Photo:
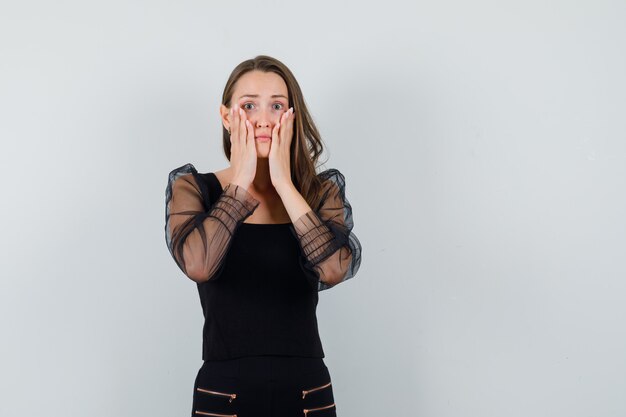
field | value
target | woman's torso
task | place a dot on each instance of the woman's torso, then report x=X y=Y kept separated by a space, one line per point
x=260 y=303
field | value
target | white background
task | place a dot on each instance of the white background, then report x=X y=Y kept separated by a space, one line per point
x=484 y=149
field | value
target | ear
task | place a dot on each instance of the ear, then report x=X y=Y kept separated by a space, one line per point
x=225 y=116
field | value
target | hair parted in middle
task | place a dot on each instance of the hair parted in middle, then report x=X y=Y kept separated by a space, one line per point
x=306 y=144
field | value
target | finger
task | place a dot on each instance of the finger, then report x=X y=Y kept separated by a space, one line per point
x=250 y=139
x=292 y=118
x=229 y=118
x=275 y=134
x=243 y=132
x=274 y=142
x=284 y=120
x=234 y=126
x=249 y=136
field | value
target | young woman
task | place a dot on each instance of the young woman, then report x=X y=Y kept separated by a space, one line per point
x=261 y=238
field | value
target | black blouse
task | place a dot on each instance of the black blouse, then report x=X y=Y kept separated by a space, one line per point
x=258 y=283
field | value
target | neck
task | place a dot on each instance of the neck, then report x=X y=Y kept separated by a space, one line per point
x=262 y=182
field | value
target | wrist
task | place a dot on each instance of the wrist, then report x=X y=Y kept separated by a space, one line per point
x=241 y=183
x=284 y=188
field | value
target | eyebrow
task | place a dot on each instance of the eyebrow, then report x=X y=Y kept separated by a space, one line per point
x=256 y=96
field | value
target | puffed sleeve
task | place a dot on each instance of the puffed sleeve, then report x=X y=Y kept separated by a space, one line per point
x=331 y=252
x=197 y=233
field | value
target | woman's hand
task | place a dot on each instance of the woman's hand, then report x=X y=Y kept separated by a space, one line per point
x=242 y=148
x=280 y=151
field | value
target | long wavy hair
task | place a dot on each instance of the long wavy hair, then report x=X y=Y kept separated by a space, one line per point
x=306 y=144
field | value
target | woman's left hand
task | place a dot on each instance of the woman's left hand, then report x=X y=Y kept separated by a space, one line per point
x=280 y=151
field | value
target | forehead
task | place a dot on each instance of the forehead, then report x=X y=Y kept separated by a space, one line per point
x=265 y=84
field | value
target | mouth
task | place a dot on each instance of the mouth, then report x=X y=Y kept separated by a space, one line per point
x=263 y=138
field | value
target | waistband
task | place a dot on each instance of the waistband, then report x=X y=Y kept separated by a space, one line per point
x=264 y=367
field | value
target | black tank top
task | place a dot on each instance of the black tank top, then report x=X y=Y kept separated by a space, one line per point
x=261 y=302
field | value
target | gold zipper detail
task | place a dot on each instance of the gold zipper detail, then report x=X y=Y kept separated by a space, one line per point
x=318 y=408
x=232 y=396
x=305 y=392
x=204 y=413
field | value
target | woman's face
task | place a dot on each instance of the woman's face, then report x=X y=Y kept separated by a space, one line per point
x=263 y=98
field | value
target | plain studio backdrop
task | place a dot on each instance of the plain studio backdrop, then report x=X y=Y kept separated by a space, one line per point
x=484 y=149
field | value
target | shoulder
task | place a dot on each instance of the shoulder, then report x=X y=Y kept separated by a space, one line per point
x=186 y=181
x=331 y=174
x=190 y=179
x=187 y=169
x=332 y=180
x=201 y=182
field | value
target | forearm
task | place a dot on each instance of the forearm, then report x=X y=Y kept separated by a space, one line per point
x=293 y=201
x=332 y=252
x=314 y=236
x=199 y=239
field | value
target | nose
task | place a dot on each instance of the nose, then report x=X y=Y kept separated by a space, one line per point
x=263 y=119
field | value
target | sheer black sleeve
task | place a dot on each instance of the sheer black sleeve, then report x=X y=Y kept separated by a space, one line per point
x=331 y=251
x=198 y=234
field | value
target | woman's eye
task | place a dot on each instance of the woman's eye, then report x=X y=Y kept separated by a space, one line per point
x=249 y=106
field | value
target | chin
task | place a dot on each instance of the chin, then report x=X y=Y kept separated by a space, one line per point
x=262 y=153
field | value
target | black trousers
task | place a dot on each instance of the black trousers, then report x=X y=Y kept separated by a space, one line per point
x=264 y=386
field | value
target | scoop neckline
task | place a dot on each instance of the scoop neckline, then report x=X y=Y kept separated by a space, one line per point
x=219 y=184
x=266 y=224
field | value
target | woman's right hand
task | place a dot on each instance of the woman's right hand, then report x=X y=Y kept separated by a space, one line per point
x=242 y=148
